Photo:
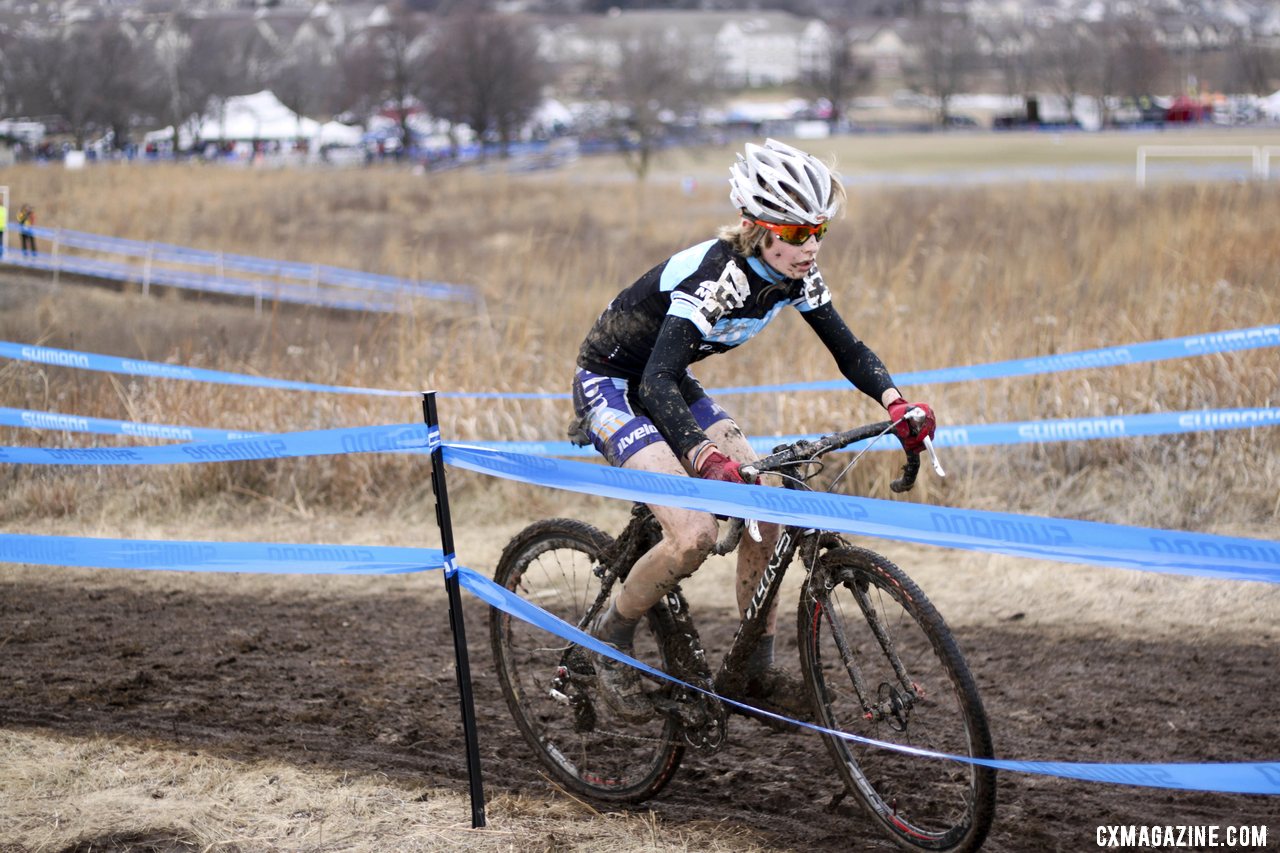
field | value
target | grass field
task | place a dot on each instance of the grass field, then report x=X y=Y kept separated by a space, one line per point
x=930 y=276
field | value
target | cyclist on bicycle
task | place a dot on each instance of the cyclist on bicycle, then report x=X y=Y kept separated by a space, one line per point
x=642 y=408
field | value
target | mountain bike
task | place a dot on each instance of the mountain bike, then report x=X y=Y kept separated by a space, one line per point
x=878 y=661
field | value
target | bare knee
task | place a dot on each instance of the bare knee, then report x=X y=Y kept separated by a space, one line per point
x=691 y=543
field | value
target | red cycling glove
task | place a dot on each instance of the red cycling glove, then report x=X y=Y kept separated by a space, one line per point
x=717 y=466
x=911 y=435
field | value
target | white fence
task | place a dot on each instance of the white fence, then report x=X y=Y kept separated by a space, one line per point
x=150 y=263
x=1259 y=156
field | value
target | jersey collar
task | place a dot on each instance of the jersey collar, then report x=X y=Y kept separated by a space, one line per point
x=765 y=271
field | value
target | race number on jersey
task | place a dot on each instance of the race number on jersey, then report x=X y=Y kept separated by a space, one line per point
x=716 y=298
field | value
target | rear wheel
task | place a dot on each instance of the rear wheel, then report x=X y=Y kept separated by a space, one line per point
x=884 y=666
x=549 y=683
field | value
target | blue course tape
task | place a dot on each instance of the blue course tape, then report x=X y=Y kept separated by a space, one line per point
x=973 y=435
x=374 y=438
x=1116 y=426
x=405 y=438
x=1066 y=540
x=134 y=367
x=1237 y=778
x=977 y=435
x=1239 y=339
x=247 y=557
x=1192 y=345
x=1231 y=341
x=222 y=261
x=282 y=558
x=1090 y=543
x=274 y=291
x=104 y=426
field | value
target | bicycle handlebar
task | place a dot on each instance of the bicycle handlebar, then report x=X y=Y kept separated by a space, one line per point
x=807 y=451
x=799 y=452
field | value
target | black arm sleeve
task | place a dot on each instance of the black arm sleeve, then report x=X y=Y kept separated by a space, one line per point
x=855 y=359
x=659 y=392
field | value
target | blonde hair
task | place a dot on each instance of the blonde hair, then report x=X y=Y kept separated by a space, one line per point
x=746 y=238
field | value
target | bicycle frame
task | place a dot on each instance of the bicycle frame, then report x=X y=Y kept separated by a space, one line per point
x=642 y=532
x=859 y=620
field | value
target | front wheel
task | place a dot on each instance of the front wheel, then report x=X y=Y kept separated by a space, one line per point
x=549 y=683
x=882 y=665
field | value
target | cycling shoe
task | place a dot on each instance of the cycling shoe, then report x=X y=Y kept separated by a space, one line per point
x=777 y=691
x=622 y=689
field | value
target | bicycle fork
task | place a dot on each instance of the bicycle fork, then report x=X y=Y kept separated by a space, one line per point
x=893 y=703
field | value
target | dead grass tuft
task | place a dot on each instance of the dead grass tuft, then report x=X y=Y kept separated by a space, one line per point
x=116 y=795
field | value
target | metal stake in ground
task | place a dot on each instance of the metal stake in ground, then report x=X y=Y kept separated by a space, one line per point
x=455 y=609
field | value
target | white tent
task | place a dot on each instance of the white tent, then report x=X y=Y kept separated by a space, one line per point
x=337 y=133
x=1270 y=106
x=259 y=116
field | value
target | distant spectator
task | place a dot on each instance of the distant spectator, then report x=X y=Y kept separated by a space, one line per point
x=4 y=220
x=26 y=227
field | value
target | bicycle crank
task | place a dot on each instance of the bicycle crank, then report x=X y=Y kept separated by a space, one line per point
x=704 y=725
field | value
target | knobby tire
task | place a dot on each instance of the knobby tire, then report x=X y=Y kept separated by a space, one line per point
x=924 y=803
x=582 y=744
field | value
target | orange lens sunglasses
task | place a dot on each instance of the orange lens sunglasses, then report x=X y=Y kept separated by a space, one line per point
x=796 y=235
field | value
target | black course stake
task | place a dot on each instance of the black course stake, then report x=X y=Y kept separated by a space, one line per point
x=455 y=610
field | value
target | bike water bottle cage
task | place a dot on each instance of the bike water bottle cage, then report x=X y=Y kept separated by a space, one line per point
x=796 y=235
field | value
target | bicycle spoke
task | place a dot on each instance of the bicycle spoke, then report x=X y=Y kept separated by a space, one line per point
x=550 y=685
x=887 y=670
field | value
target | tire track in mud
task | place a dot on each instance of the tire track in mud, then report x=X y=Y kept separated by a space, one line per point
x=365 y=683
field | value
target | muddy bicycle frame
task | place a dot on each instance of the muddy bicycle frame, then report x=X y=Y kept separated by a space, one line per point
x=642 y=532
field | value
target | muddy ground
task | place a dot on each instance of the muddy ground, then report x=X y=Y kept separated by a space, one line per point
x=356 y=675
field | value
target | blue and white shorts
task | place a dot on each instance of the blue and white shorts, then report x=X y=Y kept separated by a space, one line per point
x=608 y=410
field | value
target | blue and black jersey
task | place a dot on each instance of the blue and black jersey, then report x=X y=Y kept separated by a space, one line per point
x=680 y=312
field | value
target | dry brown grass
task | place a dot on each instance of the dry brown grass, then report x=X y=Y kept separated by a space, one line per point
x=117 y=795
x=930 y=277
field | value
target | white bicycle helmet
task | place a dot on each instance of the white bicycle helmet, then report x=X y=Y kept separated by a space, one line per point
x=778 y=183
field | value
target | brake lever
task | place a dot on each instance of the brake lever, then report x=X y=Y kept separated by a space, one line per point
x=917 y=414
x=933 y=457
x=751 y=474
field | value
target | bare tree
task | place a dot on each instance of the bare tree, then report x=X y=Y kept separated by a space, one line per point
x=11 y=94
x=484 y=71
x=383 y=64
x=19 y=73
x=948 y=56
x=1068 y=61
x=58 y=78
x=652 y=80
x=1253 y=65
x=85 y=73
x=191 y=69
x=304 y=77
x=121 y=72
x=841 y=77
x=1132 y=62
x=1015 y=58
